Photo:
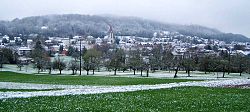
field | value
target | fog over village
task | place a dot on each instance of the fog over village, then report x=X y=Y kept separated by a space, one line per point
x=141 y=55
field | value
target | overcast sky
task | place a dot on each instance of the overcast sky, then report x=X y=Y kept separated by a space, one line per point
x=225 y=15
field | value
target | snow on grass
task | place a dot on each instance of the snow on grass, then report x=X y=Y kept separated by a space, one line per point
x=77 y=90
x=13 y=85
x=158 y=74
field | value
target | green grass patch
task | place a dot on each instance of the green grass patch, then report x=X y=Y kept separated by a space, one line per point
x=164 y=100
x=81 y=80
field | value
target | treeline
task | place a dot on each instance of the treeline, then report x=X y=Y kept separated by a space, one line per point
x=97 y=26
x=143 y=60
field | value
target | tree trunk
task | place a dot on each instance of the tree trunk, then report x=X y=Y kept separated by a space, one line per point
x=93 y=71
x=60 y=72
x=188 y=73
x=223 y=72
x=115 y=72
x=49 y=71
x=134 y=71
x=87 y=72
x=141 y=72
x=175 y=74
x=147 y=72
x=240 y=73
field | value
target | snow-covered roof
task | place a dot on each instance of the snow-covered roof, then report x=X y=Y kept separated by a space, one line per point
x=24 y=49
x=48 y=41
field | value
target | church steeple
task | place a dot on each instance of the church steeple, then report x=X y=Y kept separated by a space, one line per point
x=111 y=37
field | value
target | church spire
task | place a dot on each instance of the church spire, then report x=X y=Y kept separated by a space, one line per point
x=111 y=37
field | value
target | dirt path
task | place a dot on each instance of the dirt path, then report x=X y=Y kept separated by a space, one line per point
x=77 y=89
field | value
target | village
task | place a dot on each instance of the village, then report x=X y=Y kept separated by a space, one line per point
x=124 y=56
x=178 y=44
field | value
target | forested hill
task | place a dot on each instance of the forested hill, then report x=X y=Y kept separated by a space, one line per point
x=97 y=26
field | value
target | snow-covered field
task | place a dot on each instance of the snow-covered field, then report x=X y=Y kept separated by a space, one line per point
x=78 y=90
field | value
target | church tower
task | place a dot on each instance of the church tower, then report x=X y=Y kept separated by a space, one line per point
x=111 y=37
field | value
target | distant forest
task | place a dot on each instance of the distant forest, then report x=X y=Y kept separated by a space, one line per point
x=73 y=24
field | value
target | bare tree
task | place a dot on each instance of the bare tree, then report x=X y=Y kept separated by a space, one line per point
x=117 y=60
x=74 y=66
x=59 y=64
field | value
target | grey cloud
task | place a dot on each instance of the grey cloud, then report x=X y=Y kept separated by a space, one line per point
x=225 y=15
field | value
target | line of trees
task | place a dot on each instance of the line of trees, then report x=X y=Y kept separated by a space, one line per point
x=134 y=60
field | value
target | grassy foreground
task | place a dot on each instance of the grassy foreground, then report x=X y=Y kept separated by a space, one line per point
x=81 y=80
x=164 y=100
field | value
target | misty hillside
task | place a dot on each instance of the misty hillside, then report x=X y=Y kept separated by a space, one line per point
x=97 y=26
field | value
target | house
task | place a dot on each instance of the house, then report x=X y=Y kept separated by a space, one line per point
x=66 y=42
x=6 y=37
x=98 y=41
x=24 y=51
x=54 y=48
x=24 y=60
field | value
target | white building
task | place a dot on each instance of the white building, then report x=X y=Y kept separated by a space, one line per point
x=22 y=51
x=98 y=41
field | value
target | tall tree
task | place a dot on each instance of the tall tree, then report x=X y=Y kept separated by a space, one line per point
x=39 y=56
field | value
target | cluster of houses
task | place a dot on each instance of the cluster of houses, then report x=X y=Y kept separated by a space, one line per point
x=178 y=43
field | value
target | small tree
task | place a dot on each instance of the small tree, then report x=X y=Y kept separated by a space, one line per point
x=40 y=64
x=240 y=63
x=8 y=56
x=117 y=60
x=167 y=60
x=59 y=64
x=91 y=60
x=135 y=61
x=204 y=64
x=177 y=63
x=49 y=66
x=219 y=65
x=20 y=65
x=155 y=58
x=188 y=64
x=74 y=66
